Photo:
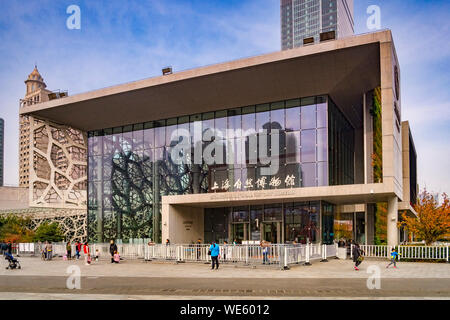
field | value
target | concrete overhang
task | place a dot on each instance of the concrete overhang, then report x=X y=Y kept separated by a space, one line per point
x=344 y=68
x=404 y=206
x=346 y=194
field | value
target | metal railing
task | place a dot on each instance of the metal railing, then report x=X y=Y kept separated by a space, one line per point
x=304 y=254
x=424 y=252
x=439 y=252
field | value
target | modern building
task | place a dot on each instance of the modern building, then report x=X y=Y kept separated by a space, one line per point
x=304 y=145
x=2 y=150
x=306 y=19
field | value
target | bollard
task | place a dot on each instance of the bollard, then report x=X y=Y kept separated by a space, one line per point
x=307 y=263
x=324 y=253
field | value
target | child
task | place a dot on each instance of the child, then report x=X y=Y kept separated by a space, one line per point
x=394 y=255
x=97 y=254
x=116 y=257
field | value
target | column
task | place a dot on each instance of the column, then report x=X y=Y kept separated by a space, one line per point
x=392 y=219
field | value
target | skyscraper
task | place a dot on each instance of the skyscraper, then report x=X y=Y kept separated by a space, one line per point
x=2 y=147
x=302 y=19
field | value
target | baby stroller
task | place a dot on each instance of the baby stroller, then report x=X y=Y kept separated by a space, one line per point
x=13 y=262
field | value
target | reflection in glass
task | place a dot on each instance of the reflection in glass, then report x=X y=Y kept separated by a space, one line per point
x=308 y=117
x=308 y=150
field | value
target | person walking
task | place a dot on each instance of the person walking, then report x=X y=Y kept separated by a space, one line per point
x=357 y=256
x=87 y=253
x=77 y=249
x=69 y=250
x=215 y=252
x=199 y=248
x=394 y=255
x=112 y=250
x=265 y=251
x=9 y=247
x=49 y=250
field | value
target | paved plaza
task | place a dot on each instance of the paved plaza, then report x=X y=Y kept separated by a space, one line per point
x=137 y=279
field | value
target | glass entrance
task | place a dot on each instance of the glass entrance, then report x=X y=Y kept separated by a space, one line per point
x=272 y=232
x=239 y=232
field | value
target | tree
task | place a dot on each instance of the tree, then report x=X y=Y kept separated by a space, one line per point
x=15 y=229
x=433 y=220
x=49 y=232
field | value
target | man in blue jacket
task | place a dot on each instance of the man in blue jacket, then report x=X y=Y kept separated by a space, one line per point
x=215 y=252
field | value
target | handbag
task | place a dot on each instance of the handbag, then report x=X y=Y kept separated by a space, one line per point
x=360 y=258
x=209 y=252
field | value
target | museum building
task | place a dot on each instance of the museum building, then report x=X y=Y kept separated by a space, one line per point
x=325 y=117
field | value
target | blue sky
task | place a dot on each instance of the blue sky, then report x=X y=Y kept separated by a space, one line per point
x=123 y=41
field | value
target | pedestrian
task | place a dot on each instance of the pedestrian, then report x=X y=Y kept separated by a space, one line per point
x=199 y=248
x=97 y=255
x=215 y=253
x=225 y=249
x=9 y=247
x=87 y=253
x=357 y=256
x=49 y=249
x=167 y=242
x=112 y=249
x=394 y=255
x=116 y=258
x=69 y=250
x=265 y=251
x=77 y=249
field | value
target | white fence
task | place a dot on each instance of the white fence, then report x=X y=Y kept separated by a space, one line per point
x=406 y=252
x=277 y=255
x=306 y=253
x=424 y=252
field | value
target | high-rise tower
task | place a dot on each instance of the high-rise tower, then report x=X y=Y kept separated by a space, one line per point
x=35 y=93
x=302 y=19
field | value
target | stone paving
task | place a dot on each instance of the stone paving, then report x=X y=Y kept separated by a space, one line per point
x=136 y=279
x=334 y=268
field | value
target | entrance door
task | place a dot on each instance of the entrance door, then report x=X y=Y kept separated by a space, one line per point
x=272 y=232
x=240 y=232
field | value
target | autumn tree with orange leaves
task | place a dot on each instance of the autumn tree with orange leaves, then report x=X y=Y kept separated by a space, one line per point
x=433 y=220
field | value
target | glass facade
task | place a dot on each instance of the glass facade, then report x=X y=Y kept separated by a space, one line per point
x=132 y=167
x=278 y=223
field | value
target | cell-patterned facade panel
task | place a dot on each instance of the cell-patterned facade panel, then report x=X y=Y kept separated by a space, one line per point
x=58 y=166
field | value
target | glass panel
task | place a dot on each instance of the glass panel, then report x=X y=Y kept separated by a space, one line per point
x=308 y=149
x=322 y=171
x=256 y=218
x=263 y=118
x=293 y=147
x=240 y=214
x=138 y=140
x=308 y=174
x=322 y=115
x=322 y=154
x=160 y=135
x=277 y=119
x=220 y=123
x=149 y=138
x=248 y=124
x=272 y=212
x=308 y=117
x=293 y=119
